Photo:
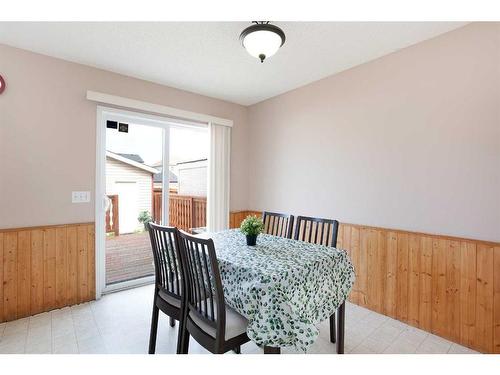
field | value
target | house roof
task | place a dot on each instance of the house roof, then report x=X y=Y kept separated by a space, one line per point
x=158 y=177
x=133 y=157
x=191 y=161
x=129 y=161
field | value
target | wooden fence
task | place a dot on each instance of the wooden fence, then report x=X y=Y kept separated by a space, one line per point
x=157 y=205
x=184 y=212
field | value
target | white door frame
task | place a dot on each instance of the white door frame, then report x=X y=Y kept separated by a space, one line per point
x=113 y=114
x=164 y=114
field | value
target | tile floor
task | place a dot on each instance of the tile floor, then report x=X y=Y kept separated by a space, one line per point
x=119 y=323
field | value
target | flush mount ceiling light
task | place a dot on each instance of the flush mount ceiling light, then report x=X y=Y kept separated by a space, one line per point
x=262 y=40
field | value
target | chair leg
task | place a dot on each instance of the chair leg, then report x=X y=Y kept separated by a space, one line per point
x=184 y=338
x=180 y=332
x=332 y=329
x=340 y=329
x=154 y=330
x=172 y=322
x=185 y=345
x=237 y=350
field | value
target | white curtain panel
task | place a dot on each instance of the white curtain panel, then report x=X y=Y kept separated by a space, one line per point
x=218 y=177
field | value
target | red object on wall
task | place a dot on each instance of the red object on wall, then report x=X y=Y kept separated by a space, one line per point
x=2 y=84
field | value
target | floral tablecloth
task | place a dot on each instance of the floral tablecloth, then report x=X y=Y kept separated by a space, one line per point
x=283 y=287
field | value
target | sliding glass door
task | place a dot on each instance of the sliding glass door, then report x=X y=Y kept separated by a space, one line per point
x=149 y=169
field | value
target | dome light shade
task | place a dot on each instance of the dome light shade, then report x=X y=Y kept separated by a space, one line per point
x=262 y=40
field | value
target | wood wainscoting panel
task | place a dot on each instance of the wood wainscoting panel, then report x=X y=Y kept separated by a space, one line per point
x=91 y=262
x=1 y=277
x=10 y=276
x=438 y=323
x=82 y=272
x=453 y=265
x=414 y=258
x=402 y=278
x=23 y=270
x=61 y=266
x=496 y=301
x=72 y=275
x=425 y=285
x=40 y=268
x=356 y=294
x=392 y=272
x=236 y=217
x=468 y=293
x=484 y=298
x=37 y=285
x=362 y=266
x=445 y=285
x=49 y=268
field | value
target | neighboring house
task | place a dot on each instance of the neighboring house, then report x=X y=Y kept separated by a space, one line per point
x=128 y=177
x=192 y=178
x=158 y=178
x=185 y=178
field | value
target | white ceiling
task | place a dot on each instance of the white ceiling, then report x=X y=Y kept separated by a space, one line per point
x=207 y=58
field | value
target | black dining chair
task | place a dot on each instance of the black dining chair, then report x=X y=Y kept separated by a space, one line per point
x=168 y=279
x=321 y=232
x=213 y=324
x=277 y=224
x=316 y=230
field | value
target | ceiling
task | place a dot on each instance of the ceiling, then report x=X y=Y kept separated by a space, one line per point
x=207 y=58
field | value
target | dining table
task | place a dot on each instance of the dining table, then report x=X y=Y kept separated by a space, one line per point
x=284 y=287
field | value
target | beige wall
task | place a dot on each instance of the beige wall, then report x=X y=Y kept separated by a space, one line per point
x=409 y=141
x=47 y=135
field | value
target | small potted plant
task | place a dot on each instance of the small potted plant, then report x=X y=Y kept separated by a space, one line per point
x=251 y=227
x=145 y=218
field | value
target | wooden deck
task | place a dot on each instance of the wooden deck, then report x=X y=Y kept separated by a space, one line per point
x=128 y=257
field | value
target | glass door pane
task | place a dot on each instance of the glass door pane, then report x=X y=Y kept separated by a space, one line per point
x=188 y=154
x=134 y=159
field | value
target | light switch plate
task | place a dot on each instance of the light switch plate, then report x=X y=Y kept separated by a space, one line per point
x=80 y=196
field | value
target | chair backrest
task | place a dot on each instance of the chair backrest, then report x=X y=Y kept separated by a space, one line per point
x=316 y=230
x=204 y=292
x=277 y=224
x=166 y=256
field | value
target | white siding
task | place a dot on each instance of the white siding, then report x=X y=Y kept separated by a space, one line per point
x=118 y=172
x=192 y=179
